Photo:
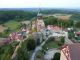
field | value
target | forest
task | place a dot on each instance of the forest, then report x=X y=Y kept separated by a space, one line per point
x=15 y=15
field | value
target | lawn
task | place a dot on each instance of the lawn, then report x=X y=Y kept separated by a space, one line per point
x=13 y=25
x=50 y=45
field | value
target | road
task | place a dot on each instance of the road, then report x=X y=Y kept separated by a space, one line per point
x=67 y=40
x=50 y=54
x=38 y=48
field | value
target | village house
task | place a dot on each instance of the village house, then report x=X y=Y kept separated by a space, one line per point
x=25 y=32
x=19 y=35
x=54 y=28
x=16 y=36
x=70 y=52
x=77 y=34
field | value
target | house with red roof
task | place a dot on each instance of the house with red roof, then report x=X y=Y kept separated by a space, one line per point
x=70 y=52
x=77 y=33
x=54 y=28
x=16 y=36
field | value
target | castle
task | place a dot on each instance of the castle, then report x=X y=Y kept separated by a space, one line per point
x=38 y=24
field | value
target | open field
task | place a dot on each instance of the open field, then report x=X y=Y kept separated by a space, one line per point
x=62 y=16
x=13 y=25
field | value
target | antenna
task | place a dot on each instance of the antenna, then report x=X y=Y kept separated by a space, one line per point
x=38 y=11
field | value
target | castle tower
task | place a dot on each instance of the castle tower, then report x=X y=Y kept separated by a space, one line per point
x=39 y=15
x=40 y=23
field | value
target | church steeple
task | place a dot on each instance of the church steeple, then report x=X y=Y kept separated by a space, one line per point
x=39 y=15
x=39 y=24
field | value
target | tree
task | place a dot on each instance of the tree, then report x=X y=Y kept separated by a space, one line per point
x=71 y=34
x=31 y=44
x=56 y=56
x=22 y=54
x=62 y=41
x=77 y=24
x=50 y=20
x=54 y=21
x=16 y=15
x=65 y=23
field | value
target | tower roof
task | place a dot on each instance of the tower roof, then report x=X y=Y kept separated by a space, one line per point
x=39 y=14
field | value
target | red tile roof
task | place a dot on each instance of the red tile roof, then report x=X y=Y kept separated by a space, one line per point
x=73 y=50
x=55 y=28
x=15 y=36
x=78 y=33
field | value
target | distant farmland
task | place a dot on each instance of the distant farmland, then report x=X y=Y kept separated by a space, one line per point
x=2 y=28
x=62 y=16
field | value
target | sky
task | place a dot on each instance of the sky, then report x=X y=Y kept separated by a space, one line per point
x=40 y=3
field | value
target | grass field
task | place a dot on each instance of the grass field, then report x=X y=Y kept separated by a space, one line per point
x=51 y=45
x=13 y=25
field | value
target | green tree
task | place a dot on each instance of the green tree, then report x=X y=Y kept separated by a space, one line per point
x=50 y=20
x=31 y=44
x=77 y=24
x=56 y=56
x=16 y=15
x=71 y=34
x=62 y=41
x=54 y=21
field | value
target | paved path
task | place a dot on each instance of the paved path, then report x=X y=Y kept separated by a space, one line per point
x=50 y=54
x=67 y=40
x=16 y=49
x=38 y=48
